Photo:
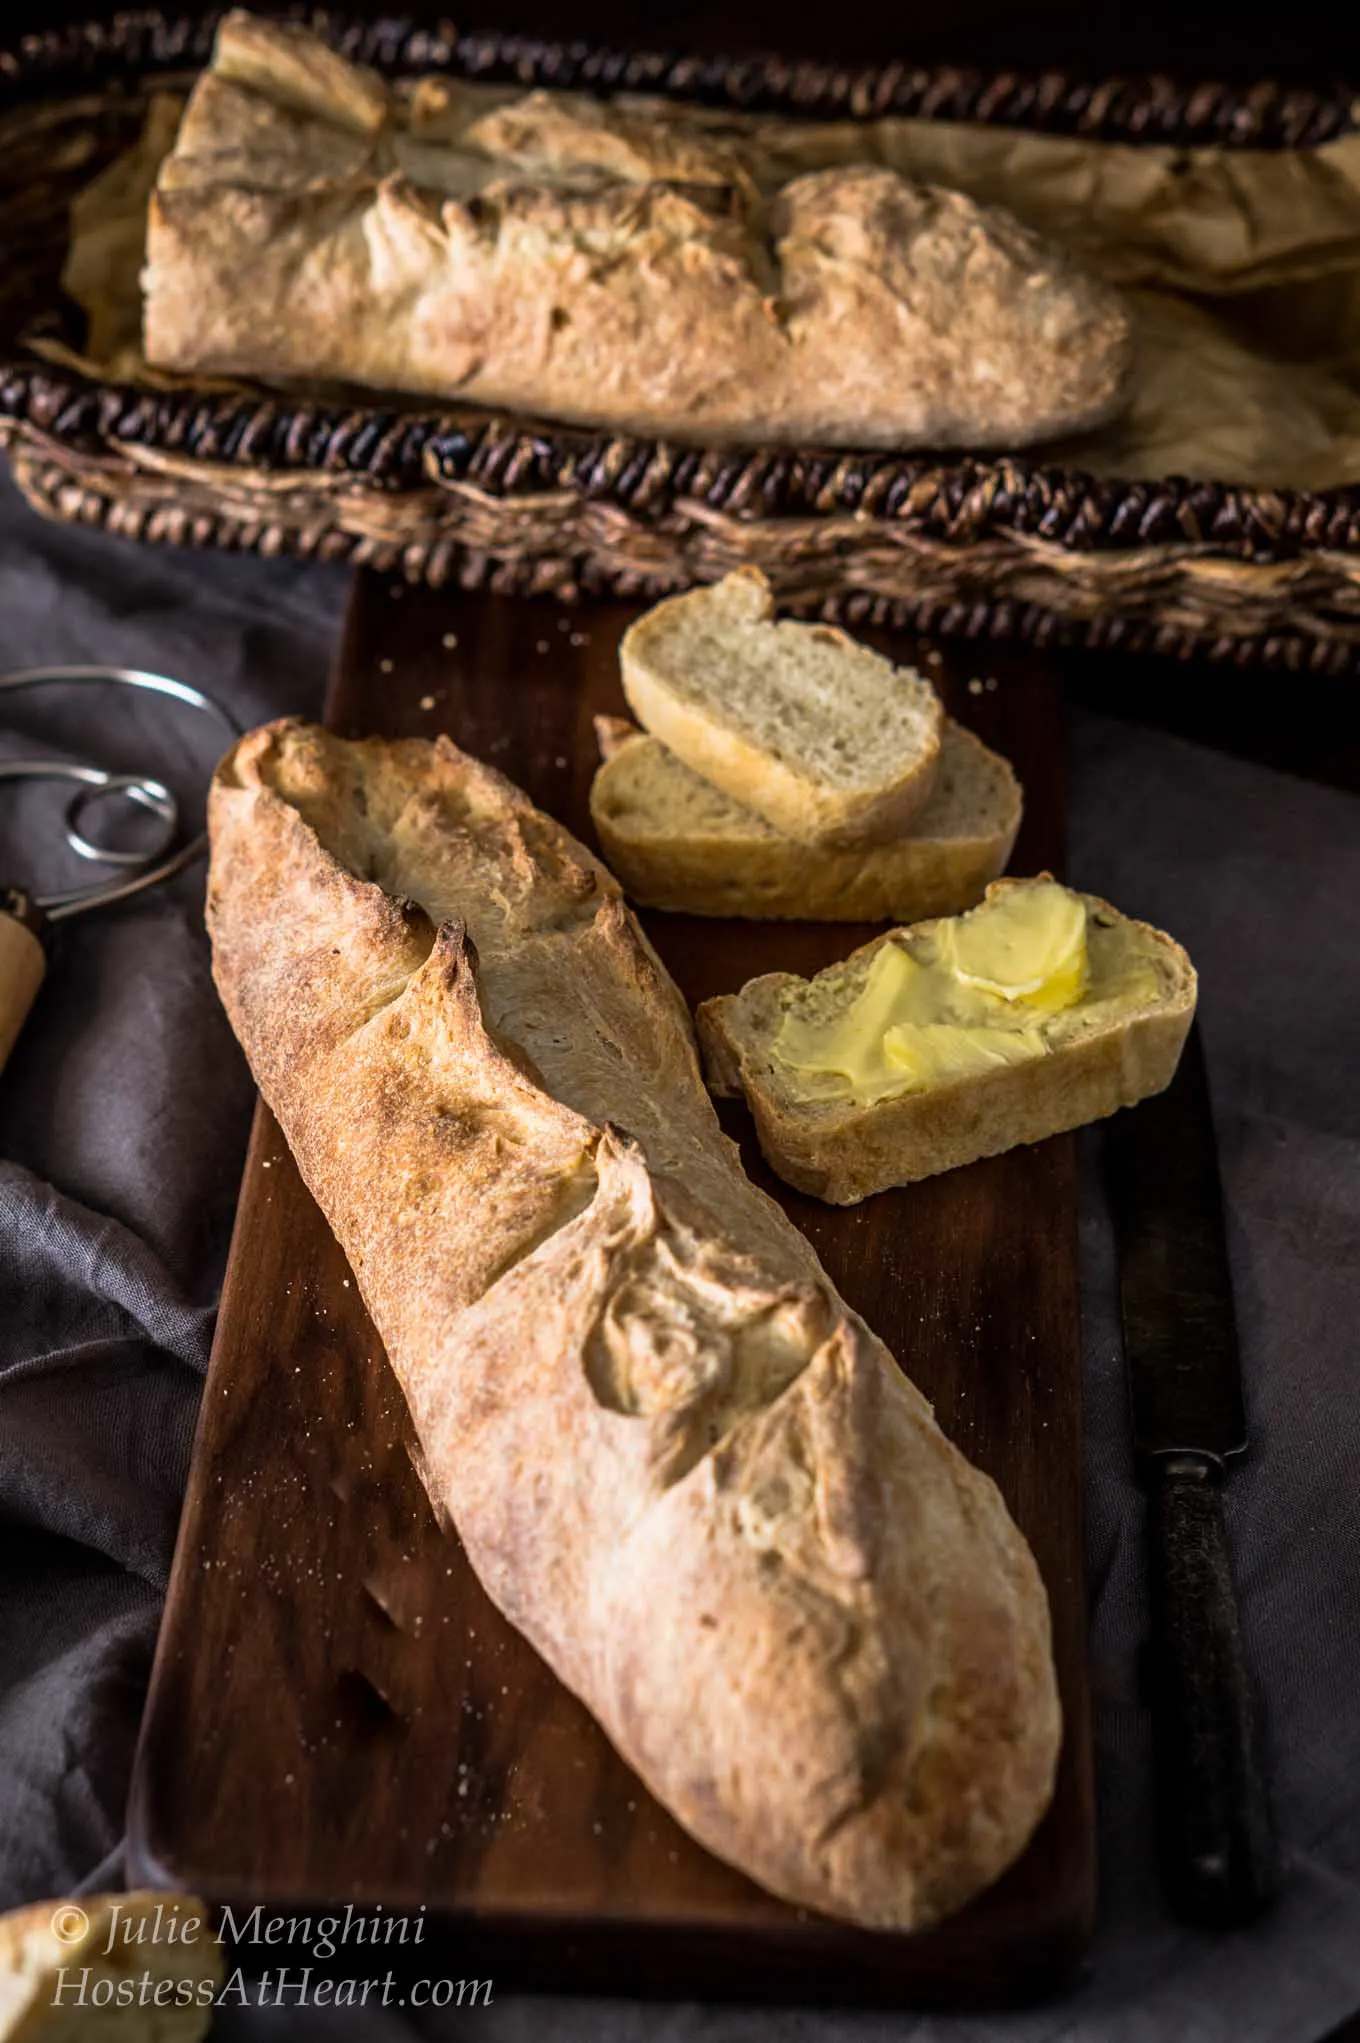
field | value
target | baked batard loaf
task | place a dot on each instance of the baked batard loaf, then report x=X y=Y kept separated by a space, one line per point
x=981 y=1079
x=694 y=1479
x=564 y=257
x=676 y=842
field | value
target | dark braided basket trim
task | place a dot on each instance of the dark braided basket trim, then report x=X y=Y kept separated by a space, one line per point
x=960 y=501
x=446 y=561
x=1149 y=108
x=398 y=450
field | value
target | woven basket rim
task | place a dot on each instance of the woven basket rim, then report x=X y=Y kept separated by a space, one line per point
x=959 y=499
x=1315 y=629
x=1148 y=107
x=954 y=498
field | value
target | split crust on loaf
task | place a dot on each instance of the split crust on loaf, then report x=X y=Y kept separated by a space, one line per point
x=572 y=259
x=693 y=1478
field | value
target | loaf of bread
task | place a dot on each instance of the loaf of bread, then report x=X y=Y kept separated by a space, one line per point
x=677 y=842
x=690 y=1475
x=982 y=1069
x=568 y=258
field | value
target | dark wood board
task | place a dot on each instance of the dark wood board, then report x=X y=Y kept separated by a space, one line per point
x=338 y=1714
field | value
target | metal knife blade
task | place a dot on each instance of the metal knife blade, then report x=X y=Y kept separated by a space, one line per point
x=1180 y=1330
x=1219 y=1857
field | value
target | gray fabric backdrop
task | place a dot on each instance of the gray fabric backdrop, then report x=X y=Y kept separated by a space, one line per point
x=123 y=1118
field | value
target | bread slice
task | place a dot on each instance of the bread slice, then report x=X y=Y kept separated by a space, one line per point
x=822 y=737
x=1118 y=1044
x=143 y=1967
x=677 y=1460
x=676 y=842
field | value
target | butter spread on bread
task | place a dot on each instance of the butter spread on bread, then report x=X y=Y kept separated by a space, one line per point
x=1039 y=1010
x=568 y=258
x=678 y=1462
x=974 y=997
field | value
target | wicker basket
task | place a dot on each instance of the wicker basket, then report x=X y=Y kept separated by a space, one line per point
x=1001 y=547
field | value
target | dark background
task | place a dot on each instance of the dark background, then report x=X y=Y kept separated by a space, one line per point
x=1310 y=44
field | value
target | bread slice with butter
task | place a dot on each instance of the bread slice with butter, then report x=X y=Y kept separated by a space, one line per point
x=1040 y=1010
x=676 y=842
x=825 y=739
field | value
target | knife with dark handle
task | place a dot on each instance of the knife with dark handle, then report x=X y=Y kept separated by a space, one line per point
x=1220 y=1863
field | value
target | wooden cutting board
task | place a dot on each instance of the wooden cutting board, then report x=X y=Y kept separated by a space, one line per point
x=338 y=1714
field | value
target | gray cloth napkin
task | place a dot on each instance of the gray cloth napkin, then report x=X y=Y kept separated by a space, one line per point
x=123 y=1118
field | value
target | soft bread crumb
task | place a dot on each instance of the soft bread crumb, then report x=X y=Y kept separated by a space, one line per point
x=821 y=736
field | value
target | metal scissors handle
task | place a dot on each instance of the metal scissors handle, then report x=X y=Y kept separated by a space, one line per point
x=147 y=868
x=24 y=918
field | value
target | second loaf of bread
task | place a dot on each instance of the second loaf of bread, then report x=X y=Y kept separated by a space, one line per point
x=575 y=260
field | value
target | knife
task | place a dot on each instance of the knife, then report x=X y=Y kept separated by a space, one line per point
x=1217 y=1841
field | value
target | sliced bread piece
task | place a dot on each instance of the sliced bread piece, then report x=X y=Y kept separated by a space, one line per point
x=675 y=841
x=822 y=737
x=931 y=1047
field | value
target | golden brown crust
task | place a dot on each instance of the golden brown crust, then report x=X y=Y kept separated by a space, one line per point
x=555 y=132
x=598 y=264
x=693 y=1478
x=287 y=63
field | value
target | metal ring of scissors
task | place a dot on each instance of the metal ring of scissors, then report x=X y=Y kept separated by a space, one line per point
x=93 y=782
x=148 y=794
x=142 y=788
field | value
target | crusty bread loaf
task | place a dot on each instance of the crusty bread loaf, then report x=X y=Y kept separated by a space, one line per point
x=825 y=739
x=76 y=1971
x=677 y=1461
x=568 y=258
x=677 y=842
x=1104 y=1054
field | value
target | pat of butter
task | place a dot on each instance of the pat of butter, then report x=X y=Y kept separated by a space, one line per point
x=851 y=1046
x=974 y=998
x=931 y=1053
x=1026 y=943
